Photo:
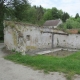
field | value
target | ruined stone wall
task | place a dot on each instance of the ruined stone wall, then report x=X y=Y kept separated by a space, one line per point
x=21 y=37
x=67 y=41
x=24 y=37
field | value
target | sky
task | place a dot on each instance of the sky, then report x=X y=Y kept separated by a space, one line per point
x=70 y=6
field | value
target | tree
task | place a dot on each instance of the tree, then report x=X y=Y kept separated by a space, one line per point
x=31 y=15
x=21 y=8
x=77 y=16
x=18 y=9
x=39 y=13
x=48 y=15
x=78 y=19
x=65 y=16
x=55 y=13
x=1 y=18
x=60 y=13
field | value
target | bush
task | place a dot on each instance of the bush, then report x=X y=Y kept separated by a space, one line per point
x=70 y=24
x=79 y=31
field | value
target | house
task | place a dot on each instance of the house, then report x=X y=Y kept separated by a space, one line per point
x=52 y=23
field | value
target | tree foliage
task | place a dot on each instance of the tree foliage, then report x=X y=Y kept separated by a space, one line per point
x=48 y=15
x=22 y=10
x=71 y=23
x=65 y=16
x=1 y=18
x=77 y=16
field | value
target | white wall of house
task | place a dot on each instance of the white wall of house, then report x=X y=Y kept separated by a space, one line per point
x=60 y=22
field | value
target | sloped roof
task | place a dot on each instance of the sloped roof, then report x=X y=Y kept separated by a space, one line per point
x=51 y=22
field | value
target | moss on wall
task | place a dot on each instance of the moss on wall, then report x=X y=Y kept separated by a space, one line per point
x=13 y=23
x=14 y=35
x=31 y=47
x=10 y=23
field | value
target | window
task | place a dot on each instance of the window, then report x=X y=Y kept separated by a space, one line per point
x=28 y=37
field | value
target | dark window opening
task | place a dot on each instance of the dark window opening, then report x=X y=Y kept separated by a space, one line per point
x=28 y=37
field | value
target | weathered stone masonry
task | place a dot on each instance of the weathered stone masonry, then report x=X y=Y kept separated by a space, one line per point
x=22 y=37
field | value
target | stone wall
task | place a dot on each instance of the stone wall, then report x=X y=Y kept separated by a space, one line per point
x=22 y=37
x=67 y=41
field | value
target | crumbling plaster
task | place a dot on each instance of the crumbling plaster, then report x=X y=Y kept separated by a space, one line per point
x=21 y=37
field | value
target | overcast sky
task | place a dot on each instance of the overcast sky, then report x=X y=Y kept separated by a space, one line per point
x=70 y=6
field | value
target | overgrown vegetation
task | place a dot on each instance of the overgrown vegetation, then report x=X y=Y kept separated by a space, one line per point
x=69 y=65
x=1 y=19
x=71 y=23
x=23 y=11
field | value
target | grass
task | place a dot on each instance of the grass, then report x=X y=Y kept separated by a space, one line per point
x=69 y=65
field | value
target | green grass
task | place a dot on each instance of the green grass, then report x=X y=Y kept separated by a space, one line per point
x=69 y=65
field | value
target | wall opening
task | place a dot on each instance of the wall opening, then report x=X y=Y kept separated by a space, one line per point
x=28 y=37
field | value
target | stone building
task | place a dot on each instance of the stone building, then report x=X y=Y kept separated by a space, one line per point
x=22 y=37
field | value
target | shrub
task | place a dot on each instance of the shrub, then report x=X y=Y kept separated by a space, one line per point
x=79 y=31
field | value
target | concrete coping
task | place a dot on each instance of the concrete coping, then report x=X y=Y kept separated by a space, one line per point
x=54 y=50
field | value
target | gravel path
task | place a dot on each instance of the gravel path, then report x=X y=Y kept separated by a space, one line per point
x=12 y=71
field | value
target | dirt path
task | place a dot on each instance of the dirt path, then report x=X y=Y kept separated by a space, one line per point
x=12 y=71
